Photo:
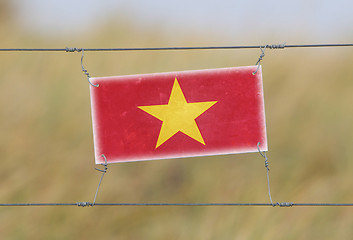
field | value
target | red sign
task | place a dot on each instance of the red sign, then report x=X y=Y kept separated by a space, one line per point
x=178 y=114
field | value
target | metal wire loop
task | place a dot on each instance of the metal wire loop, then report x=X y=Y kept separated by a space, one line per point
x=105 y=164
x=85 y=71
x=260 y=59
x=263 y=154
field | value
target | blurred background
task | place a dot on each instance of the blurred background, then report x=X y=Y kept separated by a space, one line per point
x=46 y=138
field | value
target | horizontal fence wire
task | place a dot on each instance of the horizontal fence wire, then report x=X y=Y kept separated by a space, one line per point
x=88 y=204
x=271 y=46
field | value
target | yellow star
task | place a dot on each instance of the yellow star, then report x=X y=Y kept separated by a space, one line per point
x=178 y=115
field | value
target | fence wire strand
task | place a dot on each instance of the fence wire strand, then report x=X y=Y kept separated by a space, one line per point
x=268 y=46
x=88 y=204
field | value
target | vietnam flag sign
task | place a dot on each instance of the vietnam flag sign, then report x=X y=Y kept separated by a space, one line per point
x=178 y=114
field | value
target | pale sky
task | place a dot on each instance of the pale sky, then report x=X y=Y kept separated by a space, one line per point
x=315 y=20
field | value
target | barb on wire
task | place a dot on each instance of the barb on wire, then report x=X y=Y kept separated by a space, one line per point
x=263 y=154
x=83 y=69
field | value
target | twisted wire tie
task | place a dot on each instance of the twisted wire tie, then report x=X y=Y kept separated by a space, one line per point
x=273 y=46
x=84 y=204
x=284 y=204
x=68 y=49
x=105 y=164
x=276 y=46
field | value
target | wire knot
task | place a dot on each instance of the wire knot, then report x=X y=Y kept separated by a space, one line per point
x=267 y=164
x=260 y=59
x=283 y=204
x=263 y=48
x=105 y=164
x=84 y=204
x=68 y=49
x=276 y=46
x=263 y=154
x=261 y=55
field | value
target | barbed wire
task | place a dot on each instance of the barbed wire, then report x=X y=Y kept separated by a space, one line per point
x=269 y=46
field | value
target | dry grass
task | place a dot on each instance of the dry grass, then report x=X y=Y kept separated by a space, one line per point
x=47 y=149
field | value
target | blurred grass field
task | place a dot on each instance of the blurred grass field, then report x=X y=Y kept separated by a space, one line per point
x=47 y=145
